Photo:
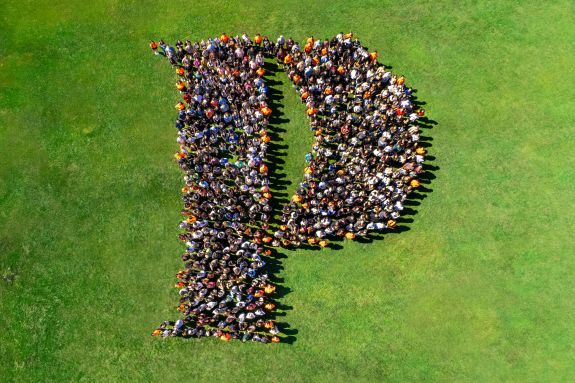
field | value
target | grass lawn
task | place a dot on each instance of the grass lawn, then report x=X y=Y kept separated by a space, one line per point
x=480 y=288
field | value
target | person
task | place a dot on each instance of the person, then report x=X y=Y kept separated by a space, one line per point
x=162 y=44
x=154 y=47
x=170 y=53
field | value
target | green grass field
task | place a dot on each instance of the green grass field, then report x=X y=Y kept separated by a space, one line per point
x=480 y=288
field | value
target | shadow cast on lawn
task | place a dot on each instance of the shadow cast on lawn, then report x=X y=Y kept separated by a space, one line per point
x=278 y=150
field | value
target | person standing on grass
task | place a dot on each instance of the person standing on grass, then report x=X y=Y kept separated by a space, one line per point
x=154 y=47
x=163 y=46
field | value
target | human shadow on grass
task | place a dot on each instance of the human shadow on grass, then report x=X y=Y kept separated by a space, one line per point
x=414 y=198
x=275 y=159
x=274 y=267
x=278 y=149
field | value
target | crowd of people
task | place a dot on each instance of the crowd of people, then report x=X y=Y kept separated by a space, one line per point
x=222 y=122
x=364 y=162
x=365 y=158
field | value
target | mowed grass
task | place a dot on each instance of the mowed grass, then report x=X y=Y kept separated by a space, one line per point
x=480 y=288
